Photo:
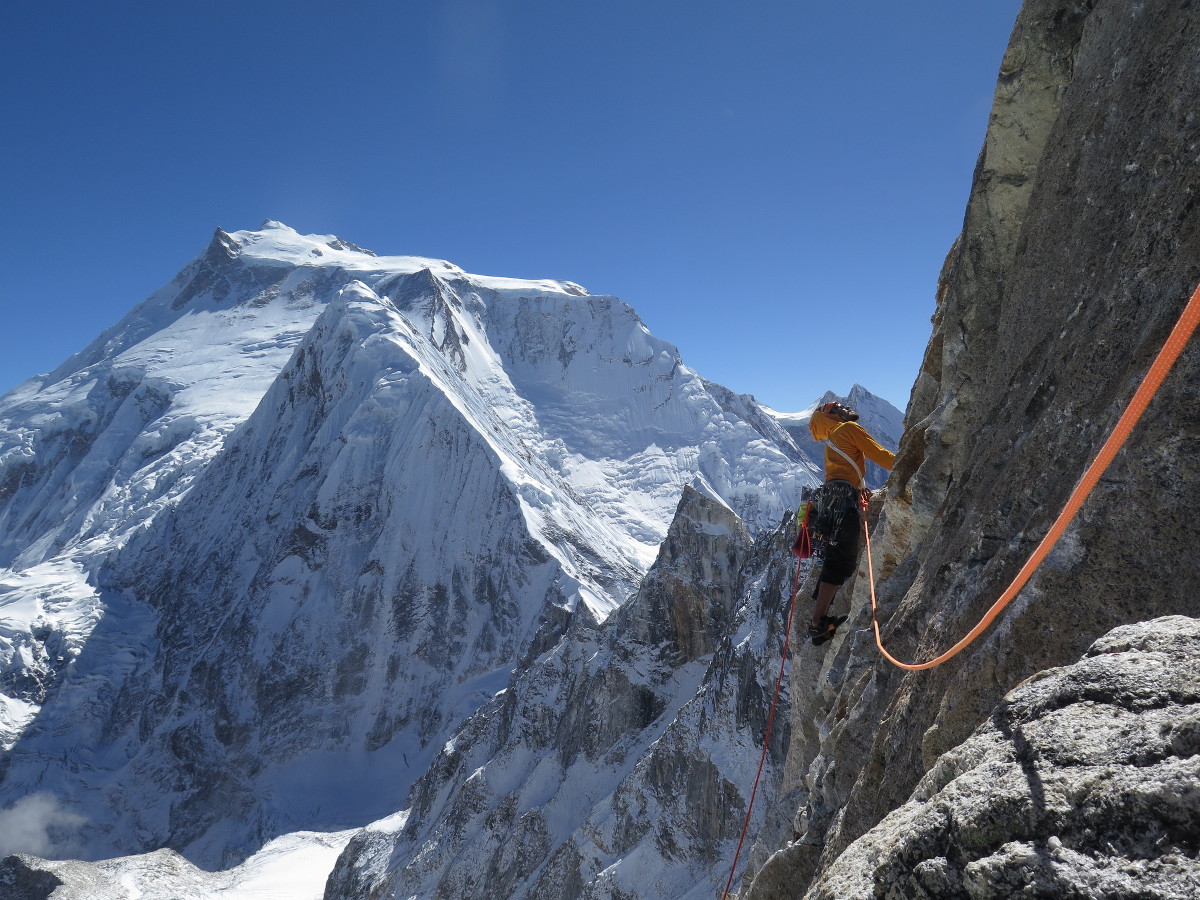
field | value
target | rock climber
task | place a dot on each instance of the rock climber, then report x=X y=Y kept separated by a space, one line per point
x=838 y=521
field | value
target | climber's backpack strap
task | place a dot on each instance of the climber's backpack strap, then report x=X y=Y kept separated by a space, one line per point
x=862 y=479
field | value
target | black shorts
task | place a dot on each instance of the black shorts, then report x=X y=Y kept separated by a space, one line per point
x=837 y=526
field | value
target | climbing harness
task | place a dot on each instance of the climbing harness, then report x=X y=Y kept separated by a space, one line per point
x=1162 y=364
x=833 y=502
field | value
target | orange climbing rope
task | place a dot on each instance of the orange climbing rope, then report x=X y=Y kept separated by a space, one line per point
x=1176 y=341
x=1162 y=364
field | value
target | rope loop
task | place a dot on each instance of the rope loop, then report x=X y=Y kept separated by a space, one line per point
x=1167 y=356
x=1162 y=364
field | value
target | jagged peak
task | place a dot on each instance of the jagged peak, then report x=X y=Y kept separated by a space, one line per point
x=223 y=246
x=699 y=503
x=858 y=396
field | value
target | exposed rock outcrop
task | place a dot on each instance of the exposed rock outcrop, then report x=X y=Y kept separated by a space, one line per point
x=1080 y=246
x=21 y=879
x=619 y=764
x=1085 y=782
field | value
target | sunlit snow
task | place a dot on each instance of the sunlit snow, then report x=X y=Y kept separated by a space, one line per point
x=554 y=403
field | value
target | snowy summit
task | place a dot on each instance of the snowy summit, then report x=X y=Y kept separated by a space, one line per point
x=269 y=540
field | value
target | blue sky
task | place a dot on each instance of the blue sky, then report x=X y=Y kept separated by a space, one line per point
x=773 y=186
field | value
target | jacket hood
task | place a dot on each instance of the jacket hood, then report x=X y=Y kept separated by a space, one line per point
x=820 y=424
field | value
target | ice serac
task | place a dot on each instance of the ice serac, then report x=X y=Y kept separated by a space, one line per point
x=391 y=486
x=1080 y=247
x=620 y=764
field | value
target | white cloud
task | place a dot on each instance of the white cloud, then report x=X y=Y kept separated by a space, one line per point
x=36 y=825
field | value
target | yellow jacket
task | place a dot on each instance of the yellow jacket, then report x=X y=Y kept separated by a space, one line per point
x=853 y=440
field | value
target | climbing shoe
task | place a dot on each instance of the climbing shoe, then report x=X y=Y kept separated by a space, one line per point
x=826 y=630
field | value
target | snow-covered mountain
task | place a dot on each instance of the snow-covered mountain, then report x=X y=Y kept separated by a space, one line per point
x=621 y=763
x=272 y=539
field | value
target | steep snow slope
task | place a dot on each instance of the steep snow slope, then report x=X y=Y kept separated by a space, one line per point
x=321 y=503
x=121 y=431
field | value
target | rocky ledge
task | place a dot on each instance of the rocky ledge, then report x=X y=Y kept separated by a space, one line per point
x=1084 y=783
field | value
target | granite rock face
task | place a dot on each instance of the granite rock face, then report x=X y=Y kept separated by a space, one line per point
x=1085 y=782
x=1080 y=247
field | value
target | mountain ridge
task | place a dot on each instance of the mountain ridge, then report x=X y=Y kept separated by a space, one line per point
x=1056 y=755
x=276 y=496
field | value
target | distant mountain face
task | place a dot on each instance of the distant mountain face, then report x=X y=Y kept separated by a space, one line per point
x=272 y=538
x=619 y=764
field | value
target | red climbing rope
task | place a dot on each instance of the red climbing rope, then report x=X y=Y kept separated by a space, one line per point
x=1162 y=364
x=767 y=737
